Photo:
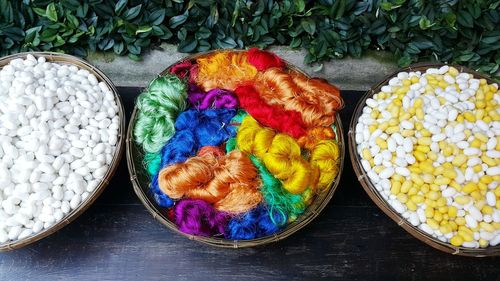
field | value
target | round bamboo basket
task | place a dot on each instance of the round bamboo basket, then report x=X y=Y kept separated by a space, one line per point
x=140 y=181
x=73 y=214
x=374 y=194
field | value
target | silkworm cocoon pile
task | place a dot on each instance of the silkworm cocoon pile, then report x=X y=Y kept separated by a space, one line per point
x=430 y=144
x=58 y=134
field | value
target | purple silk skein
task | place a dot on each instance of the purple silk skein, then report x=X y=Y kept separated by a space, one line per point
x=197 y=217
x=215 y=98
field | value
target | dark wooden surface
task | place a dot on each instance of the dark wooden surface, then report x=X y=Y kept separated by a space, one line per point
x=117 y=239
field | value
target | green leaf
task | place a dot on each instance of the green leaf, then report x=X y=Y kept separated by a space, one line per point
x=133 y=49
x=157 y=17
x=300 y=5
x=337 y=10
x=259 y=9
x=82 y=10
x=203 y=33
x=14 y=33
x=132 y=13
x=404 y=61
x=182 y=34
x=226 y=43
x=377 y=27
x=310 y=58
x=465 y=19
x=50 y=12
x=309 y=25
x=134 y=57
x=59 y=41
x=143 y=29
x=120 y=6
x=412 y=49
x=48 y=35
x=203 y=46
x=394 y=29
x=31 y=33
x=425 y=23
x=70 y=5
x=295 y=43
x=106 y=44
x=72 y=21
x=187 y=46
x=387 y=6
x=491 y=39
x=450 y=19
x=118 y=48
x=213 y=18
x=466 y=56
x=178 y=20
x=40 y=12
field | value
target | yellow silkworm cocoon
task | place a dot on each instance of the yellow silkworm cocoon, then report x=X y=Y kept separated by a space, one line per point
x=442 y=181
x=466 y=235
x=432 y=223
x=483 y=243
x=452 y=211
x=445 y=229
x=443 y=210
x=411 y=205
x=429 y=212
x=405 y=187
x=417 y=199
x=469 y=187
x=487 y=210
x=366 y=153
x=456 y=241
x=441 y=202
x=486 y=226
x=402 y=198
x=396 y=188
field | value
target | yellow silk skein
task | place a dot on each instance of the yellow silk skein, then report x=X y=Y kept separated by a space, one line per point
x=280 y=154
x=325 y=156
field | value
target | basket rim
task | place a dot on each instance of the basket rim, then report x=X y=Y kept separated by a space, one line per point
x=372 y=192
x=117 y=155
x=220 y=242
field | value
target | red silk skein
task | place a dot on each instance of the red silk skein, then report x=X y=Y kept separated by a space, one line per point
x=263 y=60
x=274 y=116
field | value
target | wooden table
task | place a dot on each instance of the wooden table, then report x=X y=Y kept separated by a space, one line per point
x=117 y=239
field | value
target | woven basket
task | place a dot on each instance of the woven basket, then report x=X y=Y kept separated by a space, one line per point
x=374 y=194
x=73 y=214
x=140 y=181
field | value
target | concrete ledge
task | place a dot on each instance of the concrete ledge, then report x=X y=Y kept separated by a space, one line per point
x=348 y=73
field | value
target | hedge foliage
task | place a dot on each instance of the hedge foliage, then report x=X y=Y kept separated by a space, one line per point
x=464 y=32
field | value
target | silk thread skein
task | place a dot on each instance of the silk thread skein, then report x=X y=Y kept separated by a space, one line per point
x=215 y=98
x=280 y=154
x=197 y=217
x=258 y=222
x=263 y=60
x=315 y=99
x=224 y=70
x=158 y=107
x=185 y=69
x=229 y=182
x=274 y=116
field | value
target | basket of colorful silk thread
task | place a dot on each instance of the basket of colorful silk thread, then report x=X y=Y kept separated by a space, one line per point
x=235 y=148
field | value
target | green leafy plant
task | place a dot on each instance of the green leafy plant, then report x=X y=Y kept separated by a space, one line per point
x=464 y=32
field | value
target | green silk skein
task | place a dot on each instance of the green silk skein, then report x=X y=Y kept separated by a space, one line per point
x=278 y=199
x=152 y=162
x=158 y=107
